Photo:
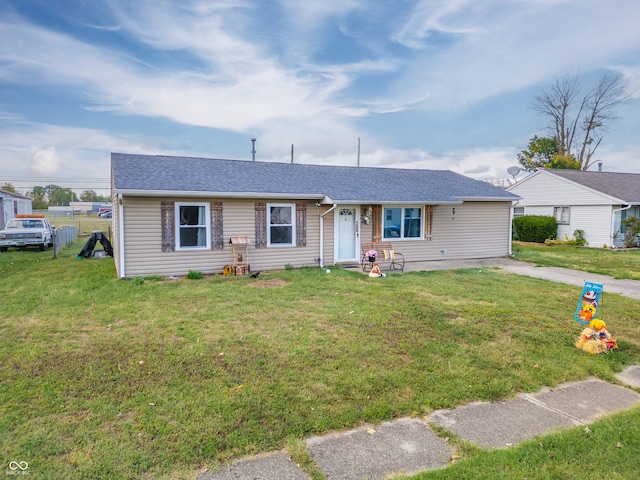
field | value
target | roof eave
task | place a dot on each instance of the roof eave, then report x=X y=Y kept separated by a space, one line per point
x=490 y=199
x=391 y=202
x=199 y=193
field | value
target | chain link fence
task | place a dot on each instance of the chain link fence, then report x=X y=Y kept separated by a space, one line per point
x=63 y=236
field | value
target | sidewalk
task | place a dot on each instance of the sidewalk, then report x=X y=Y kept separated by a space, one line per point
x=409 y=446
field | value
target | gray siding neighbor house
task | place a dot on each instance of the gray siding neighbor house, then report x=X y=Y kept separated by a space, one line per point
x=12 y=204
x=593 y=201
x=176 y=214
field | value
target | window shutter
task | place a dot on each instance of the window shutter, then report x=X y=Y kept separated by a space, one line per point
x=428 y=219
x=376 y=226
x=301 y=224
x=261 y=225
x=167 y=212
x=217 y=242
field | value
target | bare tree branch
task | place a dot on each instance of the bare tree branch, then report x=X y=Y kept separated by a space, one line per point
x=568 y=110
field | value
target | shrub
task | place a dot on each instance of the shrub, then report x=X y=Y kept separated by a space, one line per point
x=631 y=232
x=580 y=240
x=193 y=275
x=577 y=241
x=534 y=228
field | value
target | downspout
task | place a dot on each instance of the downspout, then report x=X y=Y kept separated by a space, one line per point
x=513 y=205
x=613 y=223
x=121 y=236
x=322 y=234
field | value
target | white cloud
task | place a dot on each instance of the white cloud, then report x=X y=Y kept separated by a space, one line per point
x=44 y=162
x=41 y=150
x=219 y=65
x=506 y=46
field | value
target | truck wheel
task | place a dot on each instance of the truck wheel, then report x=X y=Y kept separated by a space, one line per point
x=3 y=249
x=43 y=247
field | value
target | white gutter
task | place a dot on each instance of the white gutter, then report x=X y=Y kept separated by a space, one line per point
x=613 y=223
x=513 y=205
x=121 y=235
x=322 y=234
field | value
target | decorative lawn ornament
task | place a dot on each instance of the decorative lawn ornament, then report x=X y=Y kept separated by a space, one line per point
x=596 y=338
x=588 y=304
x=375 y=271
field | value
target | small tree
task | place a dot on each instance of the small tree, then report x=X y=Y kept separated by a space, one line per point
x=542 y=152
x=8 y=187
x=631 y=232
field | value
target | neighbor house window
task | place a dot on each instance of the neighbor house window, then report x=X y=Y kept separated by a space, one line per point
x=562 y=215
x=518 y=212
x=280 y=224
x=402 y=222
x=194 y=226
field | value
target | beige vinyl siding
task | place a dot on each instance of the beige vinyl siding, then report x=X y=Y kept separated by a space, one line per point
x=476 y=230
x=143 y=240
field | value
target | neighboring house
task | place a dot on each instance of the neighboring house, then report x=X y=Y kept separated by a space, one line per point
x=12 y=204
x=592 y=201
x=175 y=214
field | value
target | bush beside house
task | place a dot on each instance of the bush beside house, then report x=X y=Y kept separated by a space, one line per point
x=535 y=228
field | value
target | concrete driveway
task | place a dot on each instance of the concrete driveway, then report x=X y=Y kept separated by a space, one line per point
x=628 y=288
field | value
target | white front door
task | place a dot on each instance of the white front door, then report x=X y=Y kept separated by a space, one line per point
x=347 y=235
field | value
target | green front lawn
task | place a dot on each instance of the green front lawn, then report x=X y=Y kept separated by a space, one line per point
x=615 y=263
x=157 y=378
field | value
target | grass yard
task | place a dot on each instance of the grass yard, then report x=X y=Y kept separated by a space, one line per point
x=86 y=223
x=157 y=379
x=615 y=263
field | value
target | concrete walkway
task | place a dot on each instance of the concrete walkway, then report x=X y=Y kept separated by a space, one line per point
x=409 y=445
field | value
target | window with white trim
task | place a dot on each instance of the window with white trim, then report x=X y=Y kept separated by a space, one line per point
x=281 y=224
x=518 y=212
x=562 y=215
x=402 y=223
x=194 y=226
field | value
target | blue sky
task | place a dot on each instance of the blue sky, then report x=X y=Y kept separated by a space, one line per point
x=423 y=84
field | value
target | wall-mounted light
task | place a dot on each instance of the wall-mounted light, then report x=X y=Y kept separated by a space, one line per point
x=453 y=210
x=366 y=220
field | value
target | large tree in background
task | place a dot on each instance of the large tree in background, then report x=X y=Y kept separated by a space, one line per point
x=578 y=117
x=63 y=197
x=39 y=198
x=90 y=196
x=542 y=152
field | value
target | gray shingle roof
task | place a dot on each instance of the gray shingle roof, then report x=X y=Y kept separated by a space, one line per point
x=624 y=186
x=136 y=174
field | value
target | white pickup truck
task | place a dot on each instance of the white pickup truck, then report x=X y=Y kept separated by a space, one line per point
x=26 y=231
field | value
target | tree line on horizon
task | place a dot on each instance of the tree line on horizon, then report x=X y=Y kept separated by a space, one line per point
x=55 y=195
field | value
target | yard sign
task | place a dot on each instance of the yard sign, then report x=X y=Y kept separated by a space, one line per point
x=588 y=303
